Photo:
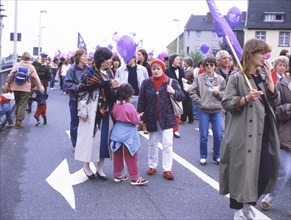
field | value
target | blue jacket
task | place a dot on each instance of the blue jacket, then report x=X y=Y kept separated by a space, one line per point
x=40 y=98
x=124 y=133
x=72 y=80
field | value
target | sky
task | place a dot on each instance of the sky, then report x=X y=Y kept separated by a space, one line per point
x=150 y=21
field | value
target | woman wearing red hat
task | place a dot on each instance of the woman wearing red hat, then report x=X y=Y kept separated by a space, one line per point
x=154 y=101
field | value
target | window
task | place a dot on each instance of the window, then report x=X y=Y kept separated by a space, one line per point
x=284 y=39
x=198 y=35
x=188 y=34
x=187 y=50
x=197 y=49
x=214 y=35
x=274 y=16
x=261 y=35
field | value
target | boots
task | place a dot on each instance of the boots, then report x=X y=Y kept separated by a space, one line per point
x=144 y=128
x=44 y=121
x=37 y=121
x=18 y=124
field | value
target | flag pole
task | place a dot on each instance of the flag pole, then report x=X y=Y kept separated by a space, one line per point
x=238 y=62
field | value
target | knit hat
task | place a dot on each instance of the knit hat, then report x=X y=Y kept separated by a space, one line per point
x=159 y=62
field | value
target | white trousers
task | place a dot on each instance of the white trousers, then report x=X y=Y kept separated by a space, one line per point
x=166 y=137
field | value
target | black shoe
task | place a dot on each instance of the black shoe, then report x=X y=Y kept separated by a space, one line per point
x=104 y=178
x=91 y=177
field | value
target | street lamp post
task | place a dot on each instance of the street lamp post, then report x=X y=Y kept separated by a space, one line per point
x=178 y=35
x=40 y=27
x=1 y=27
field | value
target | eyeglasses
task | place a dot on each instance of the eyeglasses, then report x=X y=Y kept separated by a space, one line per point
x=209 y=64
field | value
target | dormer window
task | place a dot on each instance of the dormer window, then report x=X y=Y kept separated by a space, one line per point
x=274 y=16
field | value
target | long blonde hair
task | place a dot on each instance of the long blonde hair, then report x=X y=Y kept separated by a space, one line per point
x=251 y=47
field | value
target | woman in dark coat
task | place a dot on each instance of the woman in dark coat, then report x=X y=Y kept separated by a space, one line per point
x=249 y=159
x=154 y=101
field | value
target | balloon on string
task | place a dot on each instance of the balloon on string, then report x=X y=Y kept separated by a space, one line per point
x=234 y=16
x=110 y=46
x=115 y=36
x=268 y=55
x=126 y=47
x=162 y=55
x=91 y=55
x=204 y=48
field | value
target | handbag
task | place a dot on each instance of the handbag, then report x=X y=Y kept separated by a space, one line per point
x=177 y=106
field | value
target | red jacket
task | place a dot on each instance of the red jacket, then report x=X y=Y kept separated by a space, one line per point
x=274 y=76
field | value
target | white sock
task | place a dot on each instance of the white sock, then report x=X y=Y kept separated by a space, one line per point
x=238 y=213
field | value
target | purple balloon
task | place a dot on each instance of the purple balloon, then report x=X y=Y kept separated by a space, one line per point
x=126 y=47
x=234 y=17
x=91 y=55
x=151 y=54
x=162 y=55
x=204 y=48
x=110 y=46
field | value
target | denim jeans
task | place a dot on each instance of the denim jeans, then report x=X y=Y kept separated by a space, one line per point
x=5 y=109
x=284 y=172
x=52 y=82
x=216 y=123
x=74 y=121
x=63 y=83
x=195 y=109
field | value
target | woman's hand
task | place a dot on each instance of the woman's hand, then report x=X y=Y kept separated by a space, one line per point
x=170 y=90
x=253 y=95
x=83 y=117
x=140 y=114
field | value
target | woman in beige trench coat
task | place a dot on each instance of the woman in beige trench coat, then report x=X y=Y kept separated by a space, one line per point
x=250 y=147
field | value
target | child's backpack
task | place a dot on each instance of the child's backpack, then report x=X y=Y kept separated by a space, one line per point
x=22 y=75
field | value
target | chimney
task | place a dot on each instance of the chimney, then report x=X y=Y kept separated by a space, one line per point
x=209 y=17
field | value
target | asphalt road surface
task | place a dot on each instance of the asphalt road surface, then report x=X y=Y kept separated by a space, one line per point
x=41 y=180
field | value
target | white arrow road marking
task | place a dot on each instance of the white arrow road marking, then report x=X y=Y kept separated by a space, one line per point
x=210 y=181
x=62 y=181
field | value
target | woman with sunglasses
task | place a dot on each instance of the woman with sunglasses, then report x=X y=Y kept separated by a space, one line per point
x=207 y=91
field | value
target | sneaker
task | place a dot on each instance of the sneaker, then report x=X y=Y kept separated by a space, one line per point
x=249 y=213
x=176 y=134
x=139 y=182
x=168 y=175
x=151 y=171
x=52 y=88
x=181 y=122
x=120 y=178
x=10 y=125
x=266 y=202
x=242 y=217
x=37 y=123
x=203 y=161
x=217 y=161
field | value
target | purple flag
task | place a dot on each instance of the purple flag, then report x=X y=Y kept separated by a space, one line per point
x=223 y=29
x=81 y=43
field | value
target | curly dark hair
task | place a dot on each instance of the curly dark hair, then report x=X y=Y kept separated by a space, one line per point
x=124 y=92
x=100 y=55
